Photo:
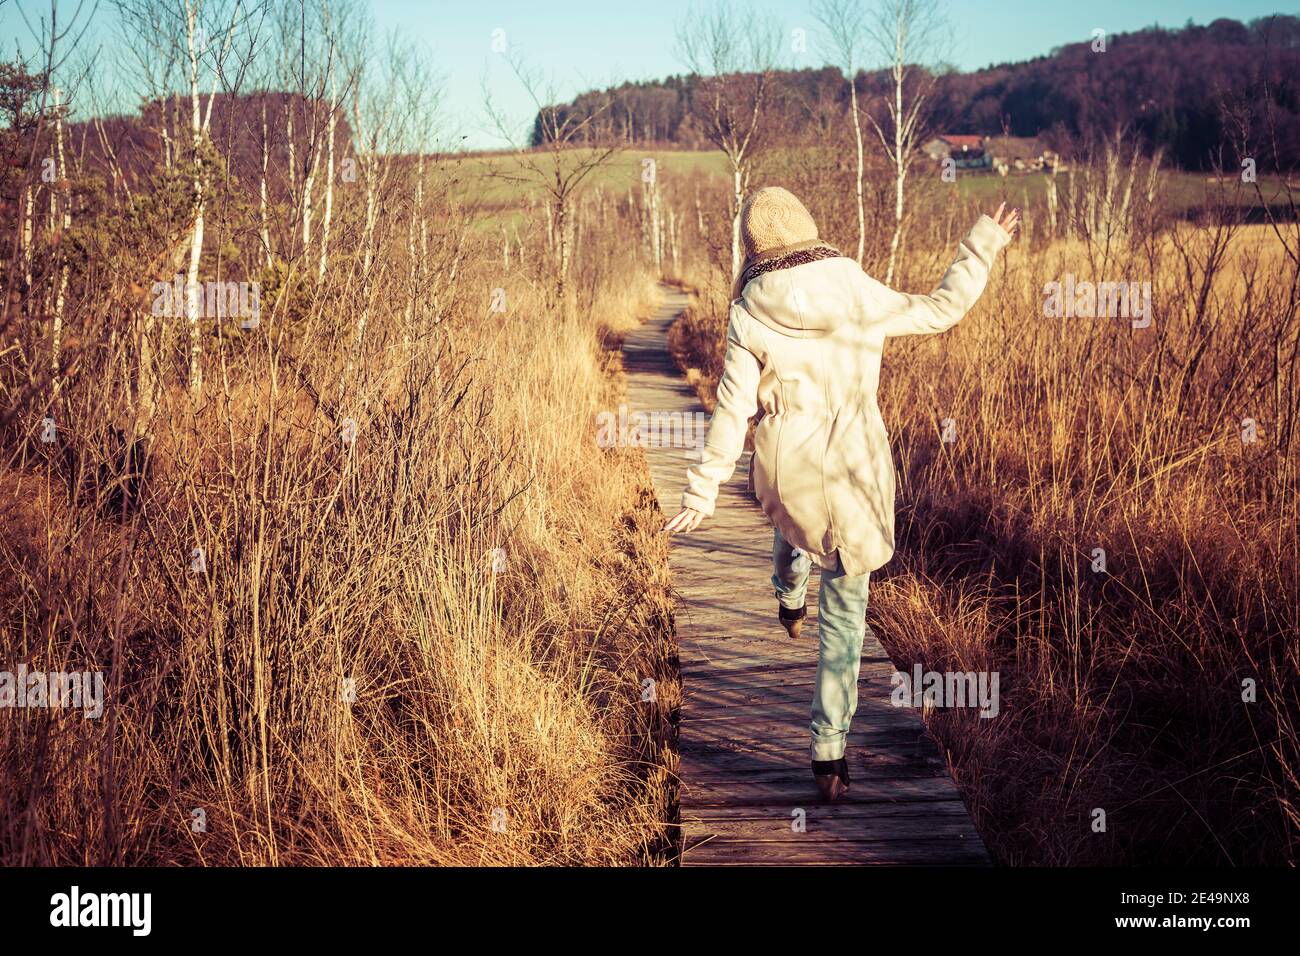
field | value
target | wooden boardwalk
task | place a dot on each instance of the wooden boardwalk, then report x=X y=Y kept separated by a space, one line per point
x=745 y=779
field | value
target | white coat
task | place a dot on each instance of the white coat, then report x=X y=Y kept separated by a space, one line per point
x=804 y=344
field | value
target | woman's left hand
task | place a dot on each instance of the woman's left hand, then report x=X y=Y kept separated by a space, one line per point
x=1009 y=220
x=685 y=521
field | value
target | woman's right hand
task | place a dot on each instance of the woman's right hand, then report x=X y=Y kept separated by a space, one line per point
x=685 y=521
x=1009 y=220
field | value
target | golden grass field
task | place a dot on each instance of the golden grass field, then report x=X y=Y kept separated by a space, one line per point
x=427 y=644
x=1124 y=690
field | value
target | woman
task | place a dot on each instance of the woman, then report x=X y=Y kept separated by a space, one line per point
x=806 y=331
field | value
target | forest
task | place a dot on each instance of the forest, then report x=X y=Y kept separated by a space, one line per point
x=1190 y=92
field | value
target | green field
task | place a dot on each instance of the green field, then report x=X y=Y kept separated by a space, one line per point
x=1183 y=190
x=493 y=183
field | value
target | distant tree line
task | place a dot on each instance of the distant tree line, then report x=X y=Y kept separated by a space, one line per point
x=1203 y=94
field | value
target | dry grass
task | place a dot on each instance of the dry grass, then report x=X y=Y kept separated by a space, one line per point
x=429 y=644
x=1121 y=691
x=425 y=647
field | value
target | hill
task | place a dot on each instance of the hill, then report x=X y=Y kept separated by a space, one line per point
x=1191 y=92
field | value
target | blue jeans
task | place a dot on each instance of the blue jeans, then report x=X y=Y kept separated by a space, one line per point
x=841 y=629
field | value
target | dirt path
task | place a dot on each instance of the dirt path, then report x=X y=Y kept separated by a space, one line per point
x=747 y=795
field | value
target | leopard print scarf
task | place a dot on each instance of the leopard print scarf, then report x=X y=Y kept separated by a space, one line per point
x=788 y=261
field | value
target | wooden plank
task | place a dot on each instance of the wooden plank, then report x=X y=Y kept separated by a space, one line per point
x=915 y=758
x=728 y=851
x=797 y=790
x=747 y=687
x=716 y=817
x=802 y=825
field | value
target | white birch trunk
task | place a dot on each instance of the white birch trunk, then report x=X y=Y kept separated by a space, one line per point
x=900 y=167
x=264 y=199
x=192 y=297
x=56 y=326
x=672 y=239
x=738 y=197
x=857 y=139
x=371 y=215
x=329 y=180
x=29 y=209
x=308 y=185
x=292 y=146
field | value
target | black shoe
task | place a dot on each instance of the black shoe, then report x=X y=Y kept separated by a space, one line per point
x=792 y=619
x=832 y=778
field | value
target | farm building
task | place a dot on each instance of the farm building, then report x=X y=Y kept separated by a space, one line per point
x=1020 y=153
x=1001 y=154
x=967 y=151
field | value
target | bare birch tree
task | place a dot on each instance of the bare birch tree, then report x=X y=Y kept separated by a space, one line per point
x=307 y=53
x=732 y=54
x=379 y=123
x=332 y=12
x=567 y=152
x=56 y=34
x=845 y=24
x=217 y=40
x=905 y=34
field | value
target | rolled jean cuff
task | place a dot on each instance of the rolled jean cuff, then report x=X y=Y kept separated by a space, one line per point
x=829 y=748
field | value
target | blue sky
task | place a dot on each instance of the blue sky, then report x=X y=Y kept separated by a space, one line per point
x=584 y=43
